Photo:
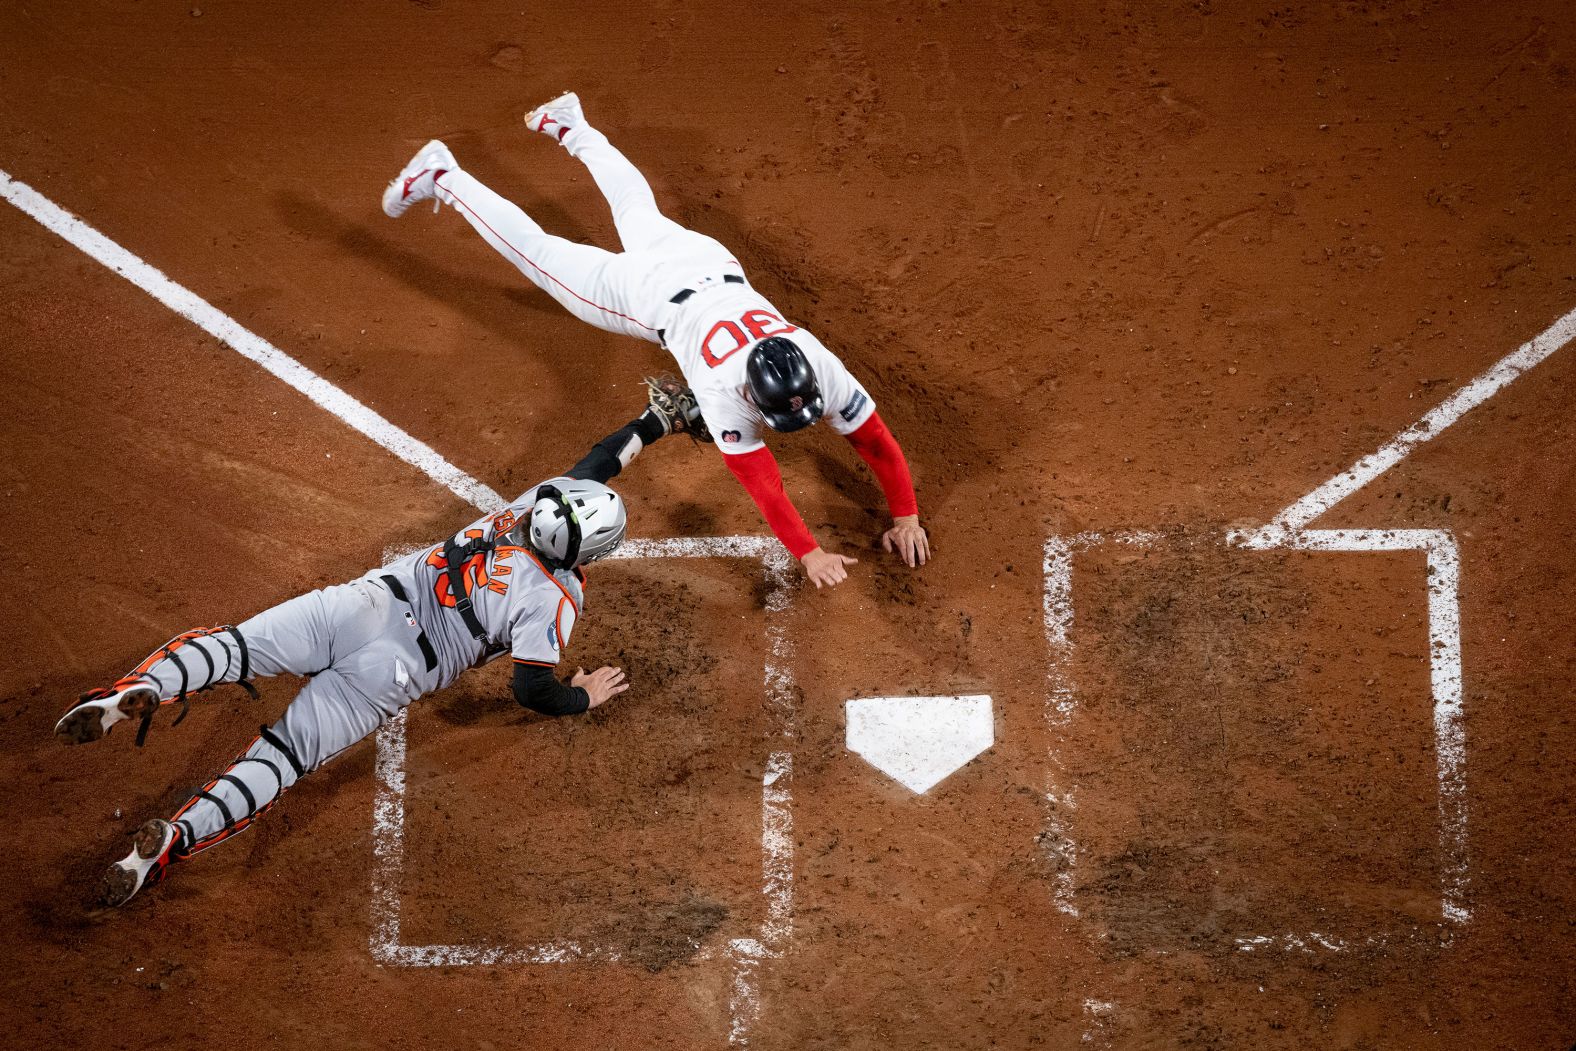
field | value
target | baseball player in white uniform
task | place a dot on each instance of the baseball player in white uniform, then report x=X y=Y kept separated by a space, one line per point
x=750 y=369
x=509 y=583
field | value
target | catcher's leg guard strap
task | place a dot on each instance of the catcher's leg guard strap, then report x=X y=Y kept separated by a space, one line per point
x=285 y=750
x=173 y=662
x=244 y=678
x=169 y=657
x=279 y=782
x=188 y=837
x=224 y=811
x=240 y=786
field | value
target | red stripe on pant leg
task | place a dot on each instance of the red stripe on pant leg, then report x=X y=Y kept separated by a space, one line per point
x=532 y=264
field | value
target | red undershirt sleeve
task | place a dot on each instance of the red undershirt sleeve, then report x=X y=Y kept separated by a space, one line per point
x=757 y=471
x=880 y=450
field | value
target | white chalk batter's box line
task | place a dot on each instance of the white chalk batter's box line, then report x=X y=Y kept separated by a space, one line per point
x=1444 y=638
x=744 y=954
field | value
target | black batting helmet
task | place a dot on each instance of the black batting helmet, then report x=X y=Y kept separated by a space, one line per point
x=782 y=385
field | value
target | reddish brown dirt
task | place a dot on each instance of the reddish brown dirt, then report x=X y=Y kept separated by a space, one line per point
x=1103 y=265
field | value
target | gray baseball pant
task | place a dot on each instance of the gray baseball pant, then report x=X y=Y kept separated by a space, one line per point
x=357 y=644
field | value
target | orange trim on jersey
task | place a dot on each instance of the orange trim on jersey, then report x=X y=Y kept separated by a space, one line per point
x=560 y=584
x=558 y=624
x=534 y=664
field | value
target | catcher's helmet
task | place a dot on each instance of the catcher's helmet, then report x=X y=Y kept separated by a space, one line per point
x=782 y=384
x=574 y=523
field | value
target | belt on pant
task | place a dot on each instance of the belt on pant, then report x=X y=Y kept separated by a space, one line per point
x=684 y=293
x=427 y=652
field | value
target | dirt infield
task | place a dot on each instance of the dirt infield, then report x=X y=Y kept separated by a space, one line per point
x=1104 y=267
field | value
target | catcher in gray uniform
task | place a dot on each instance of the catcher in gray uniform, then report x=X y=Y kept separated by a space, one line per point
x=510 y=582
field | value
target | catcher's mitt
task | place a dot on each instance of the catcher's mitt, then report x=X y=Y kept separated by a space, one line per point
x=676 y=404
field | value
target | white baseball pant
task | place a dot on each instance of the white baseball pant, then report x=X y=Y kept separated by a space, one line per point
x=626 y=292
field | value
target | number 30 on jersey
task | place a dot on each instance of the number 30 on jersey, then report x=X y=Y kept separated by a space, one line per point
x=727 y=338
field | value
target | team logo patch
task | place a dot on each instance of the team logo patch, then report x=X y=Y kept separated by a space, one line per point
x=855 y=403
x=730 y=436
x=552 y=635
x=795 y=403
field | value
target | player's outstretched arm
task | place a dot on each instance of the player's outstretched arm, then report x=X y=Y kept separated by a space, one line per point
x=878 y=448
x=672 y=410
x=537 y=688
x=757 y=471
x=619 y=449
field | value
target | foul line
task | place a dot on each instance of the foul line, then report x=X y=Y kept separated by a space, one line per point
x=744 y=954
x=248 y=344
x=1463 y=401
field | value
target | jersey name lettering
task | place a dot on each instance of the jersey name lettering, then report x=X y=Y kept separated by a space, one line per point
x=474 y=573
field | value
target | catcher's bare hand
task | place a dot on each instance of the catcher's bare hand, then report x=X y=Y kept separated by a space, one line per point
x=909 y=539
x=601 y=685
x=825 y=569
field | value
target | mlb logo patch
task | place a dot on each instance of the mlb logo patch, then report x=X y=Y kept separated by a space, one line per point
x=730 y=436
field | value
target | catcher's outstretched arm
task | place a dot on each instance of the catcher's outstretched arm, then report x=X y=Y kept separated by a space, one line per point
x=537 y=688
x=615 y=452
x=672 y=411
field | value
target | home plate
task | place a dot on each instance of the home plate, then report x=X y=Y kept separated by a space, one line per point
x=919 y=741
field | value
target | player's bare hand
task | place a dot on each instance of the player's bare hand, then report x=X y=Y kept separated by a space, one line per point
x=909 y=539
x=601 y=685
x=826 y=569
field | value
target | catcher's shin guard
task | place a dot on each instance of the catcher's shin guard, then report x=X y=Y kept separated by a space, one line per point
x=192 y=662
x=229 y=803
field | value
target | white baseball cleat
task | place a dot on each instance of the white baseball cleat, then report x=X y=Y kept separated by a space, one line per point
x=101 y=709
x=417 y=180
x=151 y=848
x=558 y=117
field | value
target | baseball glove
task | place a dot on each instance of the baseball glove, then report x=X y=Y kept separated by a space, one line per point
x=676 y=404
